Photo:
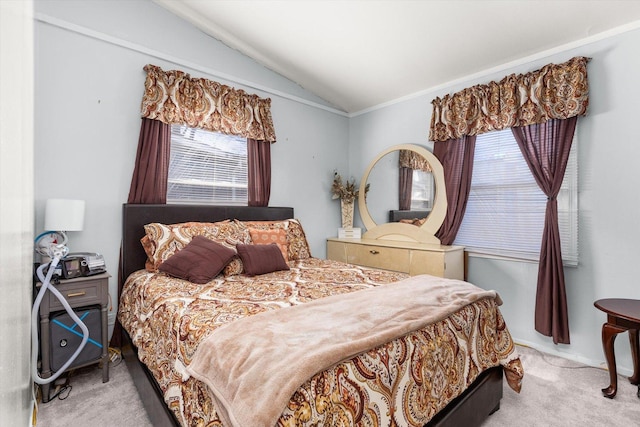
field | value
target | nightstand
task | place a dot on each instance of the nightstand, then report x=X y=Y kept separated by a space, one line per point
x=85 y=295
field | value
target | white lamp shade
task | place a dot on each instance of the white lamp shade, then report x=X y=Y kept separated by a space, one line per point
x=64 y=215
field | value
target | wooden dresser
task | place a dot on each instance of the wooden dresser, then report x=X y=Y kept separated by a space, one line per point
x=407 y=257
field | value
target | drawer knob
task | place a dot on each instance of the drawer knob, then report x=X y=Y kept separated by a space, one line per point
x=373 y=252
x=76 y=294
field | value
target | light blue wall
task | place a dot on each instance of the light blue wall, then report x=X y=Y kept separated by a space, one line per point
x=89 y=81
x=609 y=201
x=88 y=86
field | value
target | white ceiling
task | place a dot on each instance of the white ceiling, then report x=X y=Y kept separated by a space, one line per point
x=358 y=54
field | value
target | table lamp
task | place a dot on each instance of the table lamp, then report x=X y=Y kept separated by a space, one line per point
x=61 y=215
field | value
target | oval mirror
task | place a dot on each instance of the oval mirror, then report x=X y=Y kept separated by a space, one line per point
x=406 y=170
x=427 y=204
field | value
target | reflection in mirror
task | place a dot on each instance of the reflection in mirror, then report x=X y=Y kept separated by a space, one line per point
x=402 y=188
x=415 y=187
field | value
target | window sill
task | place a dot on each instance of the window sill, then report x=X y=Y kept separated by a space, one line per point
x=515 y=258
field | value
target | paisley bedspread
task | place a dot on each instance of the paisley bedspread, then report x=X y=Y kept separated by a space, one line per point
x=404 y=382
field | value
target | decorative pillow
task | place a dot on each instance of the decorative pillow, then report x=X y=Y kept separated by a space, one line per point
x=261 y=259
x=199 y=261
x=234 y=267
x=296 y=239
x=162 y=241
x=149 y=248
x=266 y=237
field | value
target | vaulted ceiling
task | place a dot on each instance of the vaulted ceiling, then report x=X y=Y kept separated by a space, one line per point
x=359 y=54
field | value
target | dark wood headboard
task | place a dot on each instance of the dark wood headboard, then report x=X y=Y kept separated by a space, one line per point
x=135 y=216
x=395 y=216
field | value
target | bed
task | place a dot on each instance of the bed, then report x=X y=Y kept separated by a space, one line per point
x=470 y=351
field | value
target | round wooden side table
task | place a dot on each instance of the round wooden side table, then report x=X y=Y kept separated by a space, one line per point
x=622 y=315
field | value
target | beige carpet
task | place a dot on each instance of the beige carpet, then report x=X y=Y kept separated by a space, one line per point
x=92 y=403
x=559 y=392
x=555 y=392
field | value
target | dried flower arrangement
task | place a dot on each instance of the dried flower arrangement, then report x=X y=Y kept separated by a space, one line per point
x=347 y=192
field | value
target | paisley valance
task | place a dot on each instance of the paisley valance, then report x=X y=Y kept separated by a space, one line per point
x=556 y=91
x=174 y=97
x=412 y=160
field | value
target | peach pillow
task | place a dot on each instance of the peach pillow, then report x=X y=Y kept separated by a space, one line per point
x=267 y=237
x=296 y=239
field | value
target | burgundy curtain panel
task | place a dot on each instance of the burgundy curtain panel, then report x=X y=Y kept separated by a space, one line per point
x=456 y=156
x=259 y=172
x=405 y=185
x=148 y=184
x=546 y=148
x=150 y=174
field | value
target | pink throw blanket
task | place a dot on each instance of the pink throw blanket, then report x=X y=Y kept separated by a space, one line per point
x=255 y=364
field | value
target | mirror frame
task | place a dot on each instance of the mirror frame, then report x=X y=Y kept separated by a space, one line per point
x=401 y=231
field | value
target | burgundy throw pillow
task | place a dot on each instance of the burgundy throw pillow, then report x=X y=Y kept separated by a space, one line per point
x=261 y=259
x=199 y=261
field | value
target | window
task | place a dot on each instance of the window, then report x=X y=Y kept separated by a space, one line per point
x=421 y=190
x=506 y=208
x=207 y=167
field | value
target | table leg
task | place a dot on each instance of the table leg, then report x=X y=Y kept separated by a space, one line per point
x=635 y=344
x=609 y=333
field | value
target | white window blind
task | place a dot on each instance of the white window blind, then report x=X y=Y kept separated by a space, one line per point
x=421 y=190
x=506 y=208
x=207 y=167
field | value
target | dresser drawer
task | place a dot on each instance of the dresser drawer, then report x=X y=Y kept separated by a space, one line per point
x=396 y=259
x=79 y=294
x=404 y=257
